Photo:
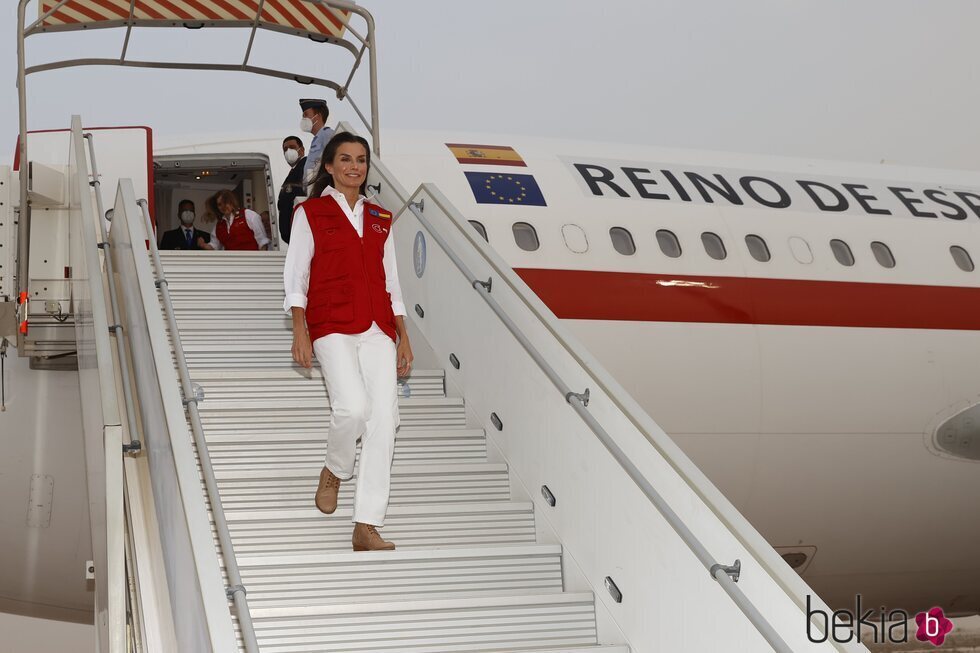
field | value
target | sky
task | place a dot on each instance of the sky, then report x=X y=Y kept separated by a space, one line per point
x=877 y=80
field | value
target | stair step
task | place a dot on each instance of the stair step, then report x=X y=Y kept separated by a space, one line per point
x=217 y=360
x=189 y=307
x=222 y=385
x=273 y=342
x=296 y=580
x=192 y=325
x=426 y=412
x=270 y=303
x=410 y=484
x=222 y=284
x=262 y=449
x=513 y=623
x=196 y=260
x=308 y=530
x=293 y=405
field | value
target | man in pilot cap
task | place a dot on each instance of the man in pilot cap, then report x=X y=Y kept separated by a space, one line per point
x=314 y=121
x=293 y=186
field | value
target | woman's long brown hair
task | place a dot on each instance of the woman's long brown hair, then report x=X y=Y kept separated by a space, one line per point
x=228 y=197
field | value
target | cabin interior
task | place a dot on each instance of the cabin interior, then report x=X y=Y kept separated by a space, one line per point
x=199 y=178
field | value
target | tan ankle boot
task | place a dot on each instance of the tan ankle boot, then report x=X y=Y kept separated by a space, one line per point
x=366 y=538
x=326 y=493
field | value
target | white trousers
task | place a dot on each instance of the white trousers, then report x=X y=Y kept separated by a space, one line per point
x=361 y=381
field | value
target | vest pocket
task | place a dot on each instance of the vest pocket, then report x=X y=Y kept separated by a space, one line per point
x=341 y=306
x=331 y=305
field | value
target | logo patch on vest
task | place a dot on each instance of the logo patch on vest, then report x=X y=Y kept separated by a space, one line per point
x=379 y=228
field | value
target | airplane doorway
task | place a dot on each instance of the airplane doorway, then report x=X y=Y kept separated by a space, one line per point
x=199 y=177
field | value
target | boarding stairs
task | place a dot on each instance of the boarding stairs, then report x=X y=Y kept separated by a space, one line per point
x=468 y=574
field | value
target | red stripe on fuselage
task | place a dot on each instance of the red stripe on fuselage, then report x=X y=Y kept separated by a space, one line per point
x=590 y=295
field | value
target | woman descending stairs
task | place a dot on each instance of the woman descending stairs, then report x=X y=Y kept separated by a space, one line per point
x=468 y=574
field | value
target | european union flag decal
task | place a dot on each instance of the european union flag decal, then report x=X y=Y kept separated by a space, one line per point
x=503 y=188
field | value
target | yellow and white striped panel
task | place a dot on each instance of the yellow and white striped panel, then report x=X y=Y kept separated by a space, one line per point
x=299 y=14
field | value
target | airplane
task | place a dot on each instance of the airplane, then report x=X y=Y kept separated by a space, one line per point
x=817 y=364
x=815 y=359
x=804 y=330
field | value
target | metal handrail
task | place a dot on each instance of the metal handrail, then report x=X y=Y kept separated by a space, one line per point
x=117 y=327
x=22 y=272
x=236 y=590
x=133 y=616
x=109 y=441
x=721 y=573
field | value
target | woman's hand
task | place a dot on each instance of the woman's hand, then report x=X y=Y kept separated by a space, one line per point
x=404 y=357
x=302 y=348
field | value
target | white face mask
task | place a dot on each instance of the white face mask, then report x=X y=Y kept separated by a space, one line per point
x=292 y=156
x=187 y=218
x=306 y=124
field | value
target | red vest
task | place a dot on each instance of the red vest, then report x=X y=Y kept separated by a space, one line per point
x=239 y=236
x=347 y=278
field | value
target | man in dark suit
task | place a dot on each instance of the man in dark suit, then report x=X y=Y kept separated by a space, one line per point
x=185 y=236
x=292 y=149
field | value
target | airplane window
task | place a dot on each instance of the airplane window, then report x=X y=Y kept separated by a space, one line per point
x=757 y=248
x=801 y=250
x=714 y=246
x=883 y=254
x=962 y=258
x=480 y=229
x=575 y=238
x=842 y=252
x=525 y=236
x=622 y=240
x=668 y=242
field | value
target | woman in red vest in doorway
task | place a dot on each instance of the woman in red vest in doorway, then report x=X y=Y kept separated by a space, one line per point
x=343 y=293
x=236 y=228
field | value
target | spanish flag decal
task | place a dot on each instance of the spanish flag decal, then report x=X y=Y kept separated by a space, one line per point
x=490 y=155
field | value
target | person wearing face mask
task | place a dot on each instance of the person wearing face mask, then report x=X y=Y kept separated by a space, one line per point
x=292 y=149
x=237 y=228
x=185 y=236
x=314 y=121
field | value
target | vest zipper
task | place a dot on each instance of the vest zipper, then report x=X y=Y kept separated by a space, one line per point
x=364 y=268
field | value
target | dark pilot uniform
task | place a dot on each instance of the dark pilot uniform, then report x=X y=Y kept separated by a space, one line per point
x=292 y=188
x=183 y=238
